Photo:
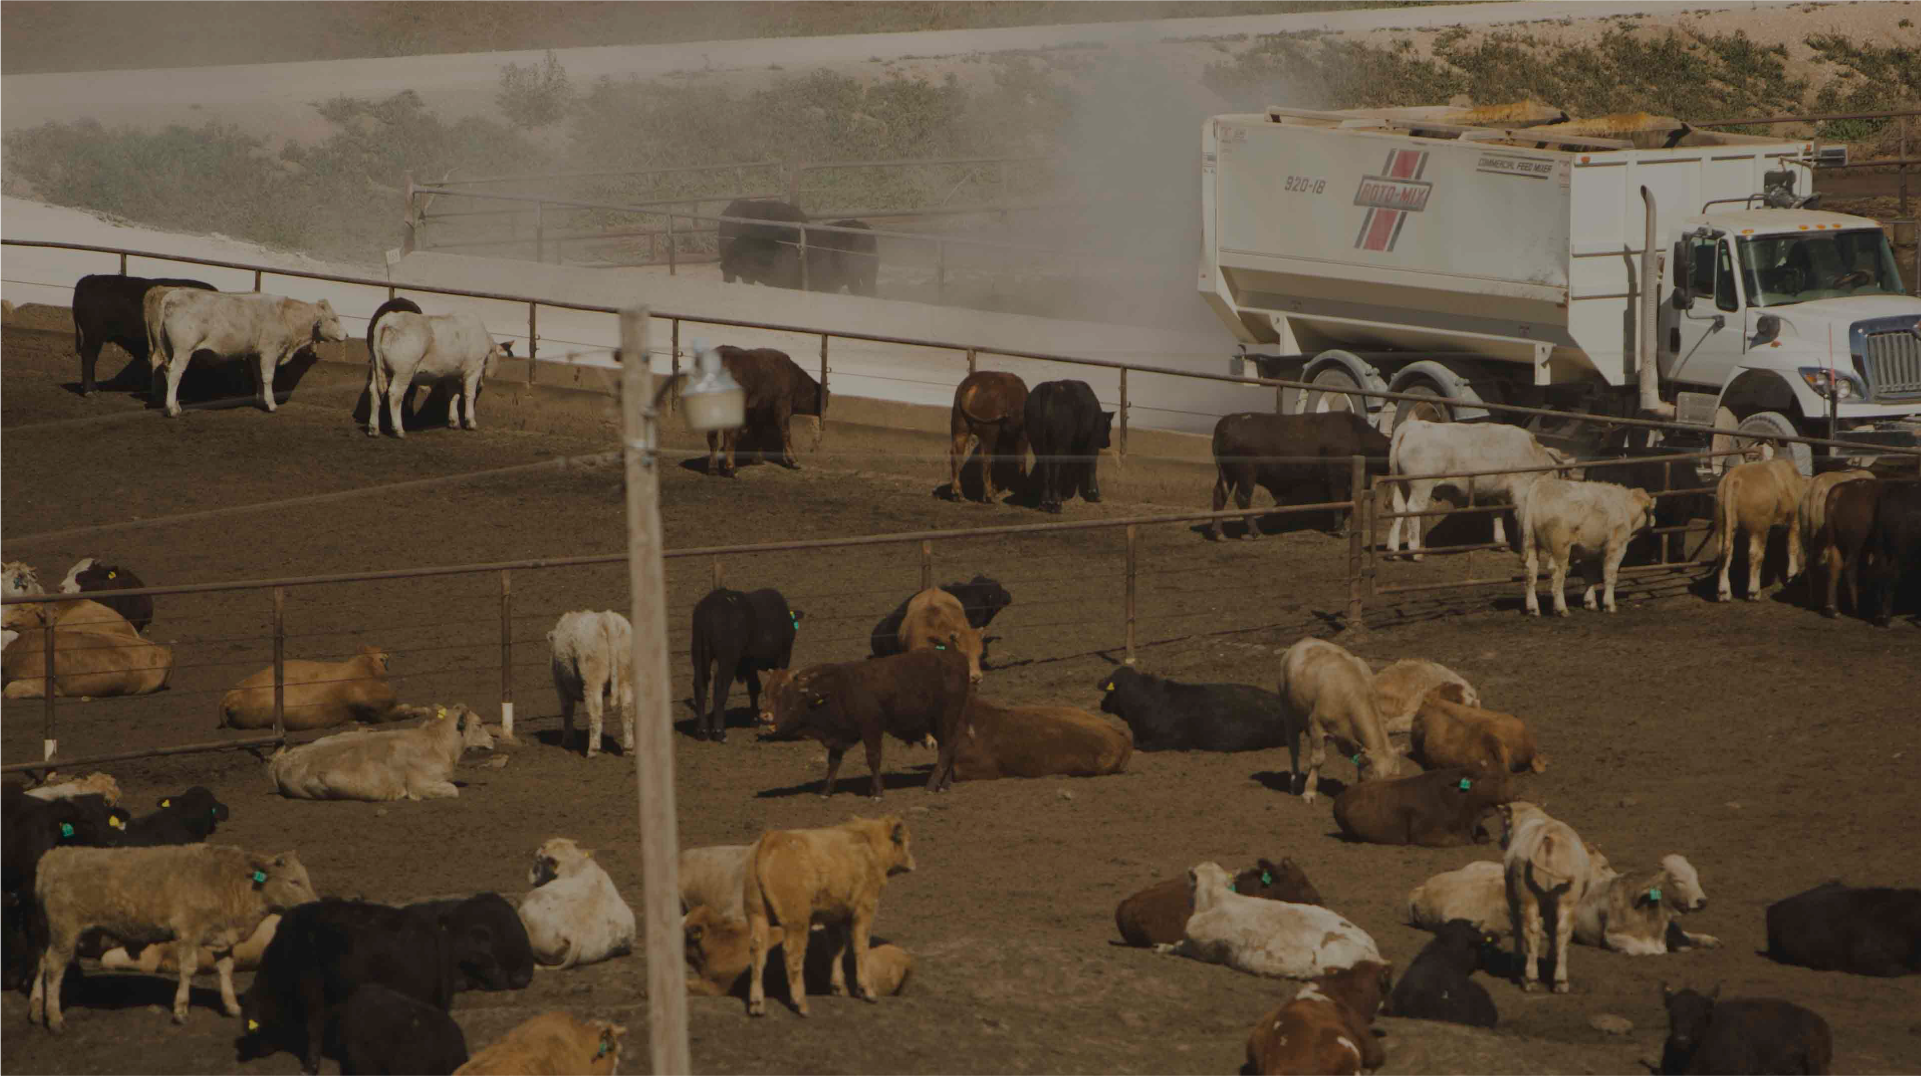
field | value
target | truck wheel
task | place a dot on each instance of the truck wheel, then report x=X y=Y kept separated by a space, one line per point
x=1429 y=410
x=1330 y=393
x=1774 y=422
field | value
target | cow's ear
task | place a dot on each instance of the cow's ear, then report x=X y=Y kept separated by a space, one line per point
x=1108 y=415
x=899 y=833
x=507 y=346
x=694 y=933
x=1666 y=990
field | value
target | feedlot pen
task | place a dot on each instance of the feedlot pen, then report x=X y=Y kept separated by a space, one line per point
x=1774 y=748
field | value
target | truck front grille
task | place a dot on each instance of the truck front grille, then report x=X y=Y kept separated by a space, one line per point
x=1893 y=361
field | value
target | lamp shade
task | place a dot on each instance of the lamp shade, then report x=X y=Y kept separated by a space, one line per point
x=712 y=399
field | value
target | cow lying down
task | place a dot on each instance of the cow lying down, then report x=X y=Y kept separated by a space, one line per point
x=1158 y=914
x=410 y=764
x=1038 y=741
x=1266 y=937
x=718 y=960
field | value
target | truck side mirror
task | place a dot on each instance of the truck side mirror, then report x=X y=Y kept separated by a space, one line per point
x=1766 y=328
x=1683 y=263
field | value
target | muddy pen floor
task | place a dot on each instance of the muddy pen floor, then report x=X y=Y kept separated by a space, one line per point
x=1774 y=748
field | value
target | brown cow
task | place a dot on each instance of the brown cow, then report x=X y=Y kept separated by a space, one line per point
x=935 y=620
x=1437 y=809
x=718 y=958
x=777 y=389
x=1849 y=520
x=1039 y=741
x=1325 y=1029
x=1447 y=733
x=908 y=696
x=1756 y=498
x=553 y=1042
x=1813 y=512
x=103 y=656
x=1158 y=914
x=317 y=695
x=989 y=408
x=798 y=877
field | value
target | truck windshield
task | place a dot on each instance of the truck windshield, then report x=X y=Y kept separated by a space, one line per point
x=1780 y=270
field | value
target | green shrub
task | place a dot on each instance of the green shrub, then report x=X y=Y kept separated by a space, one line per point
x=534 y=96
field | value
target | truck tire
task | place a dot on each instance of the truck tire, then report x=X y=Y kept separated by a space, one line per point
x=1774 y=422
x=1333 y=384
x=1432 y=410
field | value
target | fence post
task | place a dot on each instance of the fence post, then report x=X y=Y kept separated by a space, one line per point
x=820 y=422
x=52 y=741
x=926 y=564
x=805 y=284
x=506 y=655
x=1356 y=539
x=940 y=269
x=280 y=664
x=672 y=264
x=256 y=280
x=718 y=575
x=673 y=398
x=970 y=362
x=1907 y=124
x=123 y=264
x=1133 y=548
x=1123 y=416
x=1470 y=503
x=793 y=185
x=1375 y=496
x=533 y=338
x=540 y=231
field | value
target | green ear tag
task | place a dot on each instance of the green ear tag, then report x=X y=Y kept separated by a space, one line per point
x=1231 y=889
x=1267 y=878
x=602 y=1052
x=940 y=646
x=1654 y=896
x=260 y=877
x=1466 y=784
x=796 y=617
x=1357 y=760
x=66 y=829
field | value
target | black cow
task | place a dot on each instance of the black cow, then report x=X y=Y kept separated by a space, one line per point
x=761 y=253
x=1170 y=716
x=981 y=599
x=97 y=580
x=1067 y=430
x=187 y=818
x=487 y=942
x=1742 y=1035
x=1439 y=985
x=379 y=1030
x=109 y=310
x=837 y=260
x=1894 y=543
x=1250 y=447
x=1833 y=927
x=737 y=635
x=1656 y=477
x=320 y=954
x=33 y=827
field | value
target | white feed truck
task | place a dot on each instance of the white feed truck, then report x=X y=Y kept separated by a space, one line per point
x=1488 y=256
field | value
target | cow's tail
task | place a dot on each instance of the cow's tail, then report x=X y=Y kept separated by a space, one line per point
x=388 y=307
x=673 y=384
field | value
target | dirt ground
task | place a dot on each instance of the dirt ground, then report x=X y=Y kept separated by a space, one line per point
x=1774 y=748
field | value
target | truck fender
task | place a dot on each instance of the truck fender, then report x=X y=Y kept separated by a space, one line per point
x=1754 y=389
x=1450 y=382
x=1362 y=372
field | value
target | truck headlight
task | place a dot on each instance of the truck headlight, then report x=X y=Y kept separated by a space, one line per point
x=1825 y=381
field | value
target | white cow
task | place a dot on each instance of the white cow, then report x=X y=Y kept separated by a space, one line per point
x=1266 y=937
x=1331 y=692
x=1633 y=914
x=1400 y=689
x=20 y=579
x=1420 y=448
x=392 y=764
x=405 y=346
x=593 y=657
x=574 y=915
x=267 y=328
x=1548 y=872
x=1596 y=518
x=715 y=877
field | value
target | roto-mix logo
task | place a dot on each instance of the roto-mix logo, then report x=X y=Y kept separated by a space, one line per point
x=1390 y=197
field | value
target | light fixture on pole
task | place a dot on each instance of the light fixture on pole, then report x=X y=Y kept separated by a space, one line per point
x=712 y=399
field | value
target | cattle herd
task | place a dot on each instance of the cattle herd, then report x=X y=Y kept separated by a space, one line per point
x=792 y=913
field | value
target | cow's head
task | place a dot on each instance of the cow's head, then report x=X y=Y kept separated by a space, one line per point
x=326 y=324
x=555 y=857
x=1285 y=881
x=489 y=945
x=473 y=733
x=966 y=642
x=375 y=657
x=1112 y=686
x=607 y=1036
x=892 y=843
x=1107 y=430
x=22 y=579
x=1640 y=510
x=1685 y=893
x=1206 y=883
x=282 y=881
x=716 y=946
x=71 y=584
x=1565 y=461
x=779 y=696
x=1689 y=1012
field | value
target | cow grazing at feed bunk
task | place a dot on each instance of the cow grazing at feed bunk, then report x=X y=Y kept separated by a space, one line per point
x=764 y=248
x=1400 y=689
x=1597 y=519
x=1329 y=692
x=981 y=600
x=267 y=328
x=90 y=575
x=391 y=764
x=990 y=411
x=1834 y=927
x=1038 y=741
x=907 y=696
x=593 y=663
x=1266 y=937
x=1548 y=871
x=1446 y=733
x=737 y=635
x=1445 y=448
x=112 y=310
x=1252 y=448
x=574 y=914
x=935 y=620
x=314 y=695
x=833 y=875
x=379 y=1029
x=1755 y=498
x=1158 y=914
x=1740 y=1035
x=1439 y=984
x=1067 y=429
x=1325 y=1029
x=555 y=1042
x=1437 y=809
x=837 y=260
x=321 y=953
x=1894 y=543
x=405 y=345
x=1169 y=716
x=190 y=895
x=719 y=959
x=1817 y=536
x=1849 y=521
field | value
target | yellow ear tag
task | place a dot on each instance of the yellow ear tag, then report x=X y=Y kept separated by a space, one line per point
x=166 y=803
x=114 y=821
x=111 y=575
x=440 y=711
x=253 y=1025
x=1109 y=686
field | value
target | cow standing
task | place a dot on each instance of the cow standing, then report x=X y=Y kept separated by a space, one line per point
x=761 y=253
x=1596 y=518
x=404 y=344
x=1895 y=542
x=593 y=663
x=776 y=390
x=737 y=635
x=843 y=259
x=267 y=328
x=908 y=696
x=1252 y=448
x=111 y=310
x=990 y=410
x=1422 y=448
x=981 y=600
x=1756 y=498
x=1067 y=429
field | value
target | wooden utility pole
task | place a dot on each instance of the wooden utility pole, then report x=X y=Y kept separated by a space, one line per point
x=653 y=725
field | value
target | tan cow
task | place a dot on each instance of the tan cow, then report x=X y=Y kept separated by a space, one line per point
x=718 y=958
x=1593 y=519
x=990 y=408
x=1332 y=690
x=60 y=787
x=1446 y=733
x=1548 y=872
x=833 y=875
x=555 y=1043
x=1756 y=498
x=392 y=764
x=1038 y=741
x=935 y=620
x=1399 y=689
x=318 y=694
x=96 y=653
